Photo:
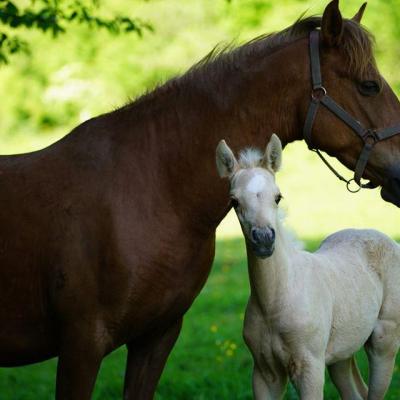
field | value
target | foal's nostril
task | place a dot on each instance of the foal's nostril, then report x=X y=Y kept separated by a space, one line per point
x=271 y=234
x=255 y=235
x=262 y=235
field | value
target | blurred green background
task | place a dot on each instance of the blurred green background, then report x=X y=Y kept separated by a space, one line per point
x=84 y=72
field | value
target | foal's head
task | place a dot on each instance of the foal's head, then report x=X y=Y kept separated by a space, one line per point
x=254 y=193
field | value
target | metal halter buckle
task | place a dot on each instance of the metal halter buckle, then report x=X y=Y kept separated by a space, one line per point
x=318 y=93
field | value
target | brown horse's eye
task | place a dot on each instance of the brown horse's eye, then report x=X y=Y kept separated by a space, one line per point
x=234 y=202
x=369 y=88
x=278 y=198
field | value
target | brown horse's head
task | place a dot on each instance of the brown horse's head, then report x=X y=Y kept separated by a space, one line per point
x=352 y=79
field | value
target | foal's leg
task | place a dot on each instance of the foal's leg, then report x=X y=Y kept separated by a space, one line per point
x=145 y=364
x=381 y=349
x=79 y=360
x=268 y=386
x=308 y=379
x=381 y=370
x=345 y=375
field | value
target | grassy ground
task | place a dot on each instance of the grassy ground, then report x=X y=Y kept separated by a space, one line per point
x=210 y=360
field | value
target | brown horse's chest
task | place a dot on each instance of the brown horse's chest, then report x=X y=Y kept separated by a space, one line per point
x=158 y=290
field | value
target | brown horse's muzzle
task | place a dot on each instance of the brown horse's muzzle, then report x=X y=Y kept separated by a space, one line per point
x=391 y=189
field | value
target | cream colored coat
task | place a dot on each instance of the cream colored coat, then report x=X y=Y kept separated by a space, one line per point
x=308 y=310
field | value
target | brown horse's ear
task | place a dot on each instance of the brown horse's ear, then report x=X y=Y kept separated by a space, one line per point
x=272 y=159
x=227 y=164
x=357 y=18
x=332 y=24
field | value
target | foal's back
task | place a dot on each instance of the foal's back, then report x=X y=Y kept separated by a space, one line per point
x=378 y=251
x=361 y=269
x=359 y=259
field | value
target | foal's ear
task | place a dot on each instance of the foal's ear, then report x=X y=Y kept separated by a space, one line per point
x=332 y=24
x=357 y=18
x=273 y=154
x=226 y=161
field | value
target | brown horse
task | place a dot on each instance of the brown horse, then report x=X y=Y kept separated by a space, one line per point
x=107 y=236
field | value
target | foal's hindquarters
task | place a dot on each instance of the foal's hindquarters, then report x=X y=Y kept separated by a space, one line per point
x=323 y=309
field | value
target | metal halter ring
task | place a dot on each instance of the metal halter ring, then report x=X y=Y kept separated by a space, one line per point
x=348 y=184
x=318 y=93
x=370 y=137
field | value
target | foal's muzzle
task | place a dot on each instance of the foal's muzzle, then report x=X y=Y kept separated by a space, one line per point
x=262 y=241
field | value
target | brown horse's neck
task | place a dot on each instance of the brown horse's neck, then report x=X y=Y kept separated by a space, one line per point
x=243 y=105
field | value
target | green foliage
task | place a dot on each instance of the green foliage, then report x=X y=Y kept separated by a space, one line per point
x=85 y=72
x=210 y=360
x=53 y=16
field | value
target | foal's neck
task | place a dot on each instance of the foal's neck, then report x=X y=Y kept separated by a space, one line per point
x=270 y=277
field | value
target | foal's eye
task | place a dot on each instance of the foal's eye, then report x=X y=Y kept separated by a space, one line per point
x=234 y=202
x=369 y=88
x=278 y=198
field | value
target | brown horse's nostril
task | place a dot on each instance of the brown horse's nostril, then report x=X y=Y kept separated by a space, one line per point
x=391 y=190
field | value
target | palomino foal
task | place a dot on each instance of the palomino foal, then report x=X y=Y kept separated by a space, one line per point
x=310 y=310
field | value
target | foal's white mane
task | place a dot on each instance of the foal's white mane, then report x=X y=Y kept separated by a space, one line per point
x=250 y=158
x=287 y=235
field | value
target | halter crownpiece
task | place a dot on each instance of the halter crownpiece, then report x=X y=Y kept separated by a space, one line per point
x=319 y=96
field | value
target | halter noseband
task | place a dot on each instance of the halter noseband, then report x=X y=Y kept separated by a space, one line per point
x=319 y=96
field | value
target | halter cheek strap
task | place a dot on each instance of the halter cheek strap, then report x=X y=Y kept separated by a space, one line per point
x=320 y=96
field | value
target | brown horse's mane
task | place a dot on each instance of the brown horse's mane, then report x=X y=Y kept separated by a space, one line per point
x=357 y=47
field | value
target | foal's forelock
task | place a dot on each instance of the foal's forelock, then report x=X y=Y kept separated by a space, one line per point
x=250 y=158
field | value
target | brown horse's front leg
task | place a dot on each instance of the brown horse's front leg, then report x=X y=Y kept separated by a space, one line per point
x=79 y=361
x=145 y=364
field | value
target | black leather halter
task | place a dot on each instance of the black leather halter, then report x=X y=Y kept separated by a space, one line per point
x=319 y=96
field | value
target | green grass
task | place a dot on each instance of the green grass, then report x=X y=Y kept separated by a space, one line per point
x=209 y=361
